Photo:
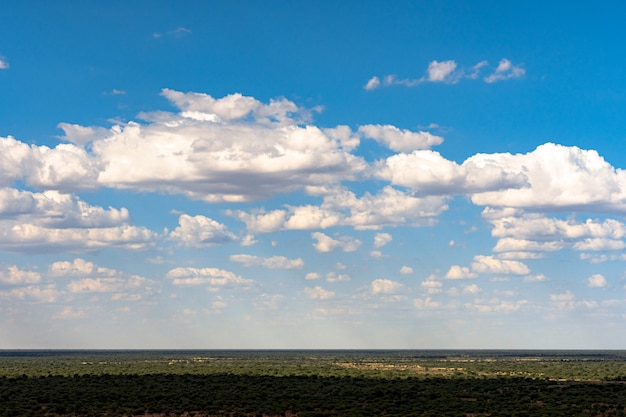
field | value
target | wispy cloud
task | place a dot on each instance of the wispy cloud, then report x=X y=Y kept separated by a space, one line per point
x=179 y=32
x=449 y=72
x=4 y=64
x=505 y=71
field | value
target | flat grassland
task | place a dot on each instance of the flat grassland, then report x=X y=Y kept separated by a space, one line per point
x=312 y=383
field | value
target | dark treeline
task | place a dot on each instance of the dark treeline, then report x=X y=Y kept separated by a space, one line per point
x=265 y=395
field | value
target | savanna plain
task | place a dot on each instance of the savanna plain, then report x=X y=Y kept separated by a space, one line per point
x=305 y=383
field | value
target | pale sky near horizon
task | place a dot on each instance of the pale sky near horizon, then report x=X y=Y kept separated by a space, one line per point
x=282 y=174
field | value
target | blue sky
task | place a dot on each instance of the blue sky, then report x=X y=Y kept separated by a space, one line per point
x=326 y=175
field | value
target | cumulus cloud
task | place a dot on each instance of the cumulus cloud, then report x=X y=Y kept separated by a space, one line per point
x=230 y=149
x=79 y=267
x=212 y=277
x=36 y=294
x=399 y=140
x=557 y=177
x=341 y=207
x=200 y=231
x=335 y=277
x=319 y=293
x=429 y=173
x=12 y=275
x=600 y=244
x=441 y=71
x=87 y=278
x=491 y=265
x=312 y=276
x=460 y=272
x=406 y=270
x=471 y=289
x=432 y=285
x=385 y=286
x=521 y=233
x=382 y=239
x=4 y=64
x=274 y=262
x=65 y=167
x=26 y=237
x=82 y=135
x=596 y=281
x=327 y=244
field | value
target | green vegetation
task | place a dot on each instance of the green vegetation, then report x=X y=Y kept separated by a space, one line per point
x=312 y=383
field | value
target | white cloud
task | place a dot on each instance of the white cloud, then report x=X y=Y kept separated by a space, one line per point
x=54 y=222
x=312 y=276
x=319 y=293
x=335 y=277
x=88 y=277
x=327 y=244
x=460 y=272
x=372 y=84
x=385 y=286
x=432 y=285
x=179 y=32
x=471 y=289
x=508 y=244
x=491 y=265
x=399 y=140
x=425 y=303
x=35 y=238
x=406 y=270
x=341 y=207
x=557 y=177
x=261 y=221
x=450 y=73
x=429 y=173
x=388 y=207
x=36 y=294
x=12 y=275
x=442 y=71
x=230 y=149
x=82 y=135
x=79 y=267
x=311 y=217
x=600 y=244
x=274 y=262
x=496 y=306
x=200 y=231
x=596 y=259
x=596 y=281
x=4 y=64
x=535 y=278
x=119 y=285
x=214 y=277
x=382 y=239
x=65 y=167
x=505 y=71
x=68 y=312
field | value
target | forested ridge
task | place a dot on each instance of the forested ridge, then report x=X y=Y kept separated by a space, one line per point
x=285 y=384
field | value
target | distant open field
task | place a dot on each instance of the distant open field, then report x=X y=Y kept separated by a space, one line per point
x=313 y=383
